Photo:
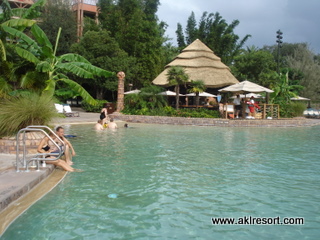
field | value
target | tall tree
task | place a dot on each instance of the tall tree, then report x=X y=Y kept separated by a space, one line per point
x=56 y=14
x=304 y=61
x=176 y=77
x=135 y=27
x=255 y=65
x=191 y=29
x=217 y=34
x=180 y=36
x=104 y=52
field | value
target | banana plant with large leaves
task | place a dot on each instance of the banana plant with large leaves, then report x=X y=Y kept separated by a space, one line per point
x=38 y=50
x=32 y=12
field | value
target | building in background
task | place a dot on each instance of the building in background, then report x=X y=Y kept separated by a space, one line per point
x=19 y=3
x=84 y=8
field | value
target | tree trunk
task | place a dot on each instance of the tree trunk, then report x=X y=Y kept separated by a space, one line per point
x=120 y=99
x=197 y=99
x=100 y=93
x=177 y=96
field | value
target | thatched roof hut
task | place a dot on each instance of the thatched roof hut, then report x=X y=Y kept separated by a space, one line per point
x=200 y=63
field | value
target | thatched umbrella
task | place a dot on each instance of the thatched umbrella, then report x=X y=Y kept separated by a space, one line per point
x=200 y=62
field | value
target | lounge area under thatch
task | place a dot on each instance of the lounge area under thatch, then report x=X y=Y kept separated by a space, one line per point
x=200 y=63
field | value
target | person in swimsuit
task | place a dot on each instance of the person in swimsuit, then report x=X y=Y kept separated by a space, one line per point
x=67 y=145
x=99 y=125
x=47 y=146
x=112 y=124
x=104 y=115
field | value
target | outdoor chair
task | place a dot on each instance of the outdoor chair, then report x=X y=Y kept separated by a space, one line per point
x=59 y=107
x=228 y=110
x=68 y=112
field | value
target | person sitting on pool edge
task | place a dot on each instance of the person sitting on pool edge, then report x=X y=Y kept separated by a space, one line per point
x=112 y=124
x=67 y=145
x=47 y=146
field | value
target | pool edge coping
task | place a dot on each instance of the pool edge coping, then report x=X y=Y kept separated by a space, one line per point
x=16 y=208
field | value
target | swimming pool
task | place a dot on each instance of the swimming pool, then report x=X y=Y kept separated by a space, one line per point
x=170 y=181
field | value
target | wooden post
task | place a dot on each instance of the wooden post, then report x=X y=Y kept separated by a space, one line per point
x=120 y=100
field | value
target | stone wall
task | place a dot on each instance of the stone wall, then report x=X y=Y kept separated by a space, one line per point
x=8 y=145
x=218 y=122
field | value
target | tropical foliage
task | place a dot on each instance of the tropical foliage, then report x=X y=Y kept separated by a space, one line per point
x=216 y=33
x=49 y=68
x=283 y=91
x=171 y=112
x=148 y=99
x=103 y=51
x=176 y=77
x=20 y=112
x=33 y=12
x=58 y=14
x=197 y=87
x=93 y=108
x=255 y=65
x=292 y=109
x=134 y=25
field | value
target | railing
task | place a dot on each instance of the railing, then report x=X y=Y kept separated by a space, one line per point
x=23 y=162
x=270 y=110
x=89 y=2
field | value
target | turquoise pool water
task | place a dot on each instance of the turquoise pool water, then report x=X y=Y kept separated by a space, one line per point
x=169 y=181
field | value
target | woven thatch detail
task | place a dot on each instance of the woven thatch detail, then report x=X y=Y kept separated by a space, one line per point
x=200 y=63
x=220 y=76
x=197 y=54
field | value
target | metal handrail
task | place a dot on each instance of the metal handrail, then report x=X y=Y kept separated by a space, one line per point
x=38 y=156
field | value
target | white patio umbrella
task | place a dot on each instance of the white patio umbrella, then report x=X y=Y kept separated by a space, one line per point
x=298 y=98
x=136 y=91
x=169 y=93
x=202 y=94
x=246 y=87
x=249 y=95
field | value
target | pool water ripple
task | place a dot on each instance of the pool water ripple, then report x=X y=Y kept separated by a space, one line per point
x=171 y=180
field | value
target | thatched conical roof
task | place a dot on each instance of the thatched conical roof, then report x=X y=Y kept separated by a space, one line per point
x=200 y=63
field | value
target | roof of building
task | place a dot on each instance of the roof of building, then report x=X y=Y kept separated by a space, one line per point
x=200 y=63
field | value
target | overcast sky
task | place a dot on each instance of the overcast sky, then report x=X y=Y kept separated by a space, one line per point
x=299 y=20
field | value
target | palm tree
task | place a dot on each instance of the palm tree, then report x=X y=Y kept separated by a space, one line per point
x=176 y=77
x=49 y=68
x=197 y=87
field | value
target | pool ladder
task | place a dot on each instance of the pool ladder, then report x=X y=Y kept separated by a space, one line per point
x=21 y=149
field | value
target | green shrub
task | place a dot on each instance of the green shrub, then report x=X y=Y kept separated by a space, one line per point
x=93 y=108
x=171 y=112
x=293 y=109
x=20 y=112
